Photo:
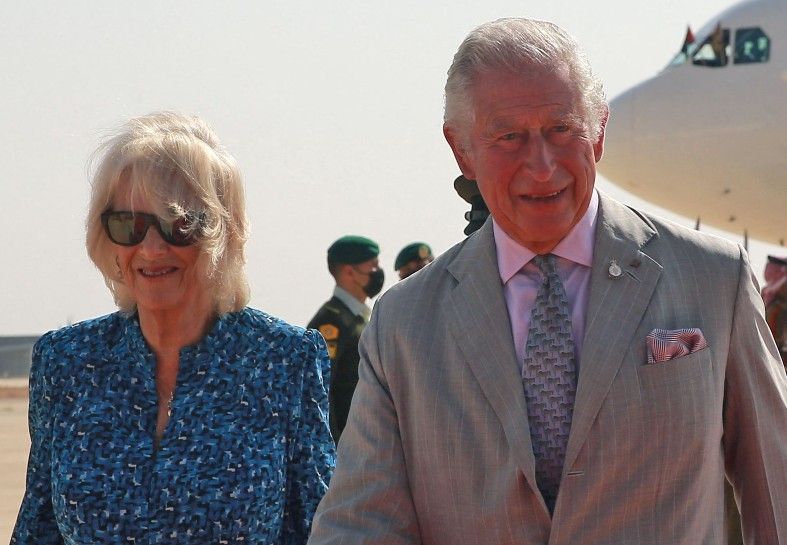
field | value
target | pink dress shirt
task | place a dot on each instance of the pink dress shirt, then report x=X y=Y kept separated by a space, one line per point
x=521 y=278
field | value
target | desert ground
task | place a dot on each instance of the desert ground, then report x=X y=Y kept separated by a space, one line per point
x=14 y=445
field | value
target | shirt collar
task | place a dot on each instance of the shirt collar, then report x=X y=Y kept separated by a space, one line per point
x=355 y=306
x=576 y=246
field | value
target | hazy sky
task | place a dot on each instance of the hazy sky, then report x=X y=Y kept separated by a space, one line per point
x=333 y=110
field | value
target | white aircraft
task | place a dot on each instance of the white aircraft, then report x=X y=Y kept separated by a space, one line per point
x=707 y=137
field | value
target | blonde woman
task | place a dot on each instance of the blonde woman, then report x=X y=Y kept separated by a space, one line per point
x=185 y=417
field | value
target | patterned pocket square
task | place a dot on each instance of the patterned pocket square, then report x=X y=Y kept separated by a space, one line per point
x=666 y=344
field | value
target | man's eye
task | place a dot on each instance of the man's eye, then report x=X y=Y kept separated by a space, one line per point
x=561 y=128
x=509 y=136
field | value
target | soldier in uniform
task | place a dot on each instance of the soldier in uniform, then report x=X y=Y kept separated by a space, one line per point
x=476 y=216
x=413 y=257
x=774 y=295
x=353 y=263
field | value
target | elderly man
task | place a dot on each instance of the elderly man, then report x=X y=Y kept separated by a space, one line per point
x=575 y=372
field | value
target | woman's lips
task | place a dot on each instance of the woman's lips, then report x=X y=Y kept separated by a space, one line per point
x=148 y=272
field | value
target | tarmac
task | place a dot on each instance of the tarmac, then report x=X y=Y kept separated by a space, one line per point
x=14 y=447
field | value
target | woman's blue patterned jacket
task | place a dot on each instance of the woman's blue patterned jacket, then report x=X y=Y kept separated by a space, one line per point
x=245 y=458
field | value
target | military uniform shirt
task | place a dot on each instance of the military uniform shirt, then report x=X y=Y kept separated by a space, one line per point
x=341 y=326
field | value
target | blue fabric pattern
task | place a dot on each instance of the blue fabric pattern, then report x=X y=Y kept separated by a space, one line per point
x=245 y=458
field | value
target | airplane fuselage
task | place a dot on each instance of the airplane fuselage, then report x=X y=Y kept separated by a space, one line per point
x=711 y=141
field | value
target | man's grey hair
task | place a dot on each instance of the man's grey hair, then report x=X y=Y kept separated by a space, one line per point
x=520 y=45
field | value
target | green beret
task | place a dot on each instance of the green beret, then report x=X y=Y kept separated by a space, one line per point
x=412 y=252
x=352 y=249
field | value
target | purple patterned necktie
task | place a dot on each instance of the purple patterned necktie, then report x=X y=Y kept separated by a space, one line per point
x=550 y=378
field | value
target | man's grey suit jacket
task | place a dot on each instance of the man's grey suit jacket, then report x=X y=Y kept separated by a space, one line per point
x=437 y=448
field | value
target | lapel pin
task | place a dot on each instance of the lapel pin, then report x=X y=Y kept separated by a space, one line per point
x=614 y=269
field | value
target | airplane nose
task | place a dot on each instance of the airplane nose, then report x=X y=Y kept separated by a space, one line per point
x=617 y=163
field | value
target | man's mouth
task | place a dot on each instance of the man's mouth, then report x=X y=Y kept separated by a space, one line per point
x=158 y=271
x=544 y=196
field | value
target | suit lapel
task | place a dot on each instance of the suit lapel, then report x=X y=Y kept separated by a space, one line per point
x=616 y=305
x=481 y=329
x=480 y=326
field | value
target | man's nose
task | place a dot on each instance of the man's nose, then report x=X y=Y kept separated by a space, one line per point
x=539 y=158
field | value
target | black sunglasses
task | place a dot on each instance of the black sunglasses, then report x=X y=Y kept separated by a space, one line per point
x=130 y=228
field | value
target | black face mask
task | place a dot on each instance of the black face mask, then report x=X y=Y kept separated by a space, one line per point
x=375 y=283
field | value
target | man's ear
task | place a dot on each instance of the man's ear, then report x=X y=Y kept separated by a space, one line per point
x=460 y=152
x=598 y=146
x=343 y=272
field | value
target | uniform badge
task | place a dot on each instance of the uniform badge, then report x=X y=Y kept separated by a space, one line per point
x=329 y=332
x=332 y=349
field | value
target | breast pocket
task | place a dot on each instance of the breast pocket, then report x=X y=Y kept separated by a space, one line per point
x=686 y=369
x=680 y=399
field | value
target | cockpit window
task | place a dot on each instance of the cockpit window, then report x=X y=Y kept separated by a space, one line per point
x=751 y=45
x=713 y=51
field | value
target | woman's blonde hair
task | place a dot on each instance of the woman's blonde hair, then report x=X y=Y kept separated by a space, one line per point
x=178 y=165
